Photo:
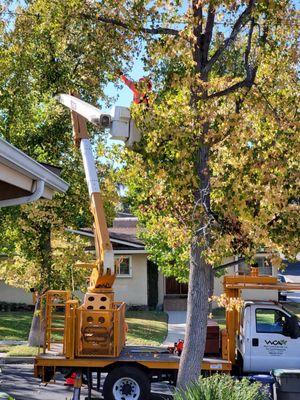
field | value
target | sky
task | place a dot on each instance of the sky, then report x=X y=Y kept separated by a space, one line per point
x=124 y=94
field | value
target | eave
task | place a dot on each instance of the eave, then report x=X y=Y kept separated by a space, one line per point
x=22 y=179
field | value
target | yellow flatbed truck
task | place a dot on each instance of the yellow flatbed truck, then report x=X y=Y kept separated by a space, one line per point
x=93 y=333
x=128 y=376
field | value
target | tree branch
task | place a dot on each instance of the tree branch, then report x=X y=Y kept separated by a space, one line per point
x=230 y=89
x=251 y=70
x=198 y=32
x=208 y=30
x=116 y=22
x=230 y=264
x=240 y=23
x=274 y=111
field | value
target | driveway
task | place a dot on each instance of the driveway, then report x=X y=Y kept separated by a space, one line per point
x=176 y=327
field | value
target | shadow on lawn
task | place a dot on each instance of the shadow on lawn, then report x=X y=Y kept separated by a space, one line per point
x=15 y=325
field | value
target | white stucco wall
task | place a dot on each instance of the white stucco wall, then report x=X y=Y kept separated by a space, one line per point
x=10 y=294
x=133 y=290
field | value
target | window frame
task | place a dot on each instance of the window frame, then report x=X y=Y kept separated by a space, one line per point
x=267 y=331
x=262 y=267
x=118 y=275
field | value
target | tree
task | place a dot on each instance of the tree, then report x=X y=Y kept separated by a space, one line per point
x=216 y=171
x=40 y=59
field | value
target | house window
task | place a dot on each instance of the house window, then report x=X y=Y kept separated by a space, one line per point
x=123 y=267
x=264 y=267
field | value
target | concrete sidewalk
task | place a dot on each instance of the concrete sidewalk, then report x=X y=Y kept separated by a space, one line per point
x=176 y=327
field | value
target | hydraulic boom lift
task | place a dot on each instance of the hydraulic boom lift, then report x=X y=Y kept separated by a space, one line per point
x=94 y=332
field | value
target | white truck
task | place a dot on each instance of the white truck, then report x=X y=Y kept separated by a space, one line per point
x=262 y=335
x=269 y=338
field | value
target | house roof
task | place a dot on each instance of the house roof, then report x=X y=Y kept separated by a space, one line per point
x=126 y=236
x=122 y=239
x=22 y=179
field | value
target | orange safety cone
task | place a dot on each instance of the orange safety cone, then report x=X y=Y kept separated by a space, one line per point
x=71 y=380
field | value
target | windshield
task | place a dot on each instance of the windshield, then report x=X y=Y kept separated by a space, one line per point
x=289 y=311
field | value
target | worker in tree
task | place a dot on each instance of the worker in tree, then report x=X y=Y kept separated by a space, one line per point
x=140 y=89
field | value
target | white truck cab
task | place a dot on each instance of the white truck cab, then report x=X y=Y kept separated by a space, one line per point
x=269 y=337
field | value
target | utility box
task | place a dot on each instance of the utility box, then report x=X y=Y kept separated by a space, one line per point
x=123 y=126
x=212 y=345
x=287 y=386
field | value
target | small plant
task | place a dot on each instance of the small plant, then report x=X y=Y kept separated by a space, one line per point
x=222 y=387
x=5 y=396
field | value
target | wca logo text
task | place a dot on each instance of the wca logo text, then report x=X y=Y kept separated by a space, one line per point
x=276 y=342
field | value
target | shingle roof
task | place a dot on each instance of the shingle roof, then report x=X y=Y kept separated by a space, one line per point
x=125 y=234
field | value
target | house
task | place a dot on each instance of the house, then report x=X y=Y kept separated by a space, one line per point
x=138 y=281
x=133 y=269
x=140 y=284
x=23 y=180
x=237 y=267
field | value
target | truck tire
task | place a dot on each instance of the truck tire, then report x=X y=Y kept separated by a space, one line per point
x=126 y=383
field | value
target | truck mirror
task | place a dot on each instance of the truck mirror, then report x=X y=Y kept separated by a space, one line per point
x=293 y=327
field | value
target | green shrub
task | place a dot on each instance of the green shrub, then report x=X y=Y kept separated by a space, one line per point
x=222 y=387
x=5 y=396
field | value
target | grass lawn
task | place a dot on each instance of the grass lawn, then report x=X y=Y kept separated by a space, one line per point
x=144 y=328
x=15 y=325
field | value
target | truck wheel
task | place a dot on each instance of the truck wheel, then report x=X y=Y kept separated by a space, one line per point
x=126 y=383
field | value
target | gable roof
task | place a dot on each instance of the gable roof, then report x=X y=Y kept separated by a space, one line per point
x=122 y=239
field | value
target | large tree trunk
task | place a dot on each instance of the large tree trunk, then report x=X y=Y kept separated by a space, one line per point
x=194 y=345
x=46 y=278
x=201 y=274
x=211 y=289
x=35 y=337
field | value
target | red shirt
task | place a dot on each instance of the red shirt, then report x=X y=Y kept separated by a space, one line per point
x=138 y=97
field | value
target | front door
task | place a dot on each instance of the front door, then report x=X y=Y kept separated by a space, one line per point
x=174 y=287
x=269 y=347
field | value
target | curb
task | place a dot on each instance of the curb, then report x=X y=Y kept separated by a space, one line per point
x=16 y=360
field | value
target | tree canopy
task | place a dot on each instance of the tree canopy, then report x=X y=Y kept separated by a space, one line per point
x=36 y=65
x=216 y=172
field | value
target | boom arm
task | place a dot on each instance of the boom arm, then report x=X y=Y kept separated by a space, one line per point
x=103 y=270
x=122 y=127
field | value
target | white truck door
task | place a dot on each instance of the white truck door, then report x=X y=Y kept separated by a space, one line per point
x=270 y=348
x=244 y=337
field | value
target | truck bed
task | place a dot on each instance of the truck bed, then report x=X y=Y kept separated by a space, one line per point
x=150 y=357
